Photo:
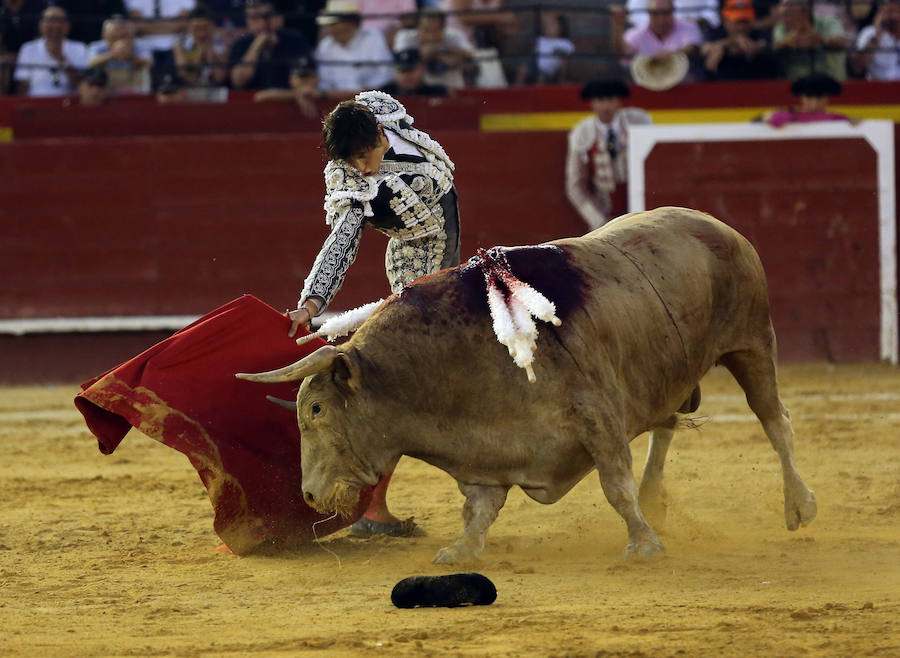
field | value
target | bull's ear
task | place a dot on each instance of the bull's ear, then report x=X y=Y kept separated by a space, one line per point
x=345 y=370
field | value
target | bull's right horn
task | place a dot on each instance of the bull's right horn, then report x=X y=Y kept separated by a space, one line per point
x=309 y=365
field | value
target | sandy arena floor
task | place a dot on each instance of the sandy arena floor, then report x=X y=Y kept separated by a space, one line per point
x=115 y=556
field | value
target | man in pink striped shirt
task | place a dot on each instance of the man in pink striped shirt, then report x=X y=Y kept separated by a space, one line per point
x=663 y=34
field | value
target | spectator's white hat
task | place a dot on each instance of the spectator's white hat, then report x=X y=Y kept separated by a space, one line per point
x=658 y=73
x=335 y=10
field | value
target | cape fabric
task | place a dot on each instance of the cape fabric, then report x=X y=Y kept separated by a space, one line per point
x=183 y=393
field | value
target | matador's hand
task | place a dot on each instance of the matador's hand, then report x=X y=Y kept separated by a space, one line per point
x=301 y=316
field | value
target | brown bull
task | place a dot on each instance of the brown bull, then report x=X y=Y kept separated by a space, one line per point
x=648 y=303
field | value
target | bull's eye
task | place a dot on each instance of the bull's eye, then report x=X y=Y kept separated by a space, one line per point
x=316 y=408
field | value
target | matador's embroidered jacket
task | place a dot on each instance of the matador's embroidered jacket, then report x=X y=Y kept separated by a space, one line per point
x=409 y=200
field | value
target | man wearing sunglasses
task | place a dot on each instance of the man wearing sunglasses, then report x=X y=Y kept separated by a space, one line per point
x=51 y=65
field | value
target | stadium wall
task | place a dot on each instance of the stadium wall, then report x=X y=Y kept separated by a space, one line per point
x=138 y=210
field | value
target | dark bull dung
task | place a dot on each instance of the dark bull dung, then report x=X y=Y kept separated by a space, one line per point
x=449 y=591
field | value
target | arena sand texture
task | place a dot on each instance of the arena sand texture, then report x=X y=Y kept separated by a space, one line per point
x=115 y=556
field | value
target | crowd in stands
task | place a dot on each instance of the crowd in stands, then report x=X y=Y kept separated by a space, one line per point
x=305 y=50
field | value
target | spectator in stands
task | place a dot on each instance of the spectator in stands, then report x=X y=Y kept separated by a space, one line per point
x=814 y=91
x=87 y=16
x=92 y=88
x=200 y=59
x=448 y=56
x=126 y=63
x=806 y=43
x=304 y=89
x=409 y=71
x=262 y=59
x=551 y=48
x=704 y=13
x=51 y=65
x=18 y=24
x=736 y=51
x=351 y=57
x=662 y=37
x=483 y=22
x=388 y=16
x=878 y=45
x=597 y=157
x=159 y=21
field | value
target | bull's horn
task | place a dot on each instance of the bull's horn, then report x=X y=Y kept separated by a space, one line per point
x=308 y=365
x=287 y=404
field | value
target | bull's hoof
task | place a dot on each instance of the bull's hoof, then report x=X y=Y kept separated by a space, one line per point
x=365 y=528
x=800 y=510
x=455 y=555
x=645 y=551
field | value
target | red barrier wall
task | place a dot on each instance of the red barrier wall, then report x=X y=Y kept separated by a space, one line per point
x=160 y=226
x=141 y=215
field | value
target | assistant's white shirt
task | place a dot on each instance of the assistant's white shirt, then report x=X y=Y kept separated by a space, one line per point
x=43 y=72
x=884 y=64
x=364 y=63
x=167 y=9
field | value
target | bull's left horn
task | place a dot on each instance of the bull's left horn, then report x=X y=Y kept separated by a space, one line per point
x=309 y=365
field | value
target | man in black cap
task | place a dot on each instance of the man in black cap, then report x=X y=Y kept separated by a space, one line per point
x=409 y=71
x=814 y=91
x=597 y=158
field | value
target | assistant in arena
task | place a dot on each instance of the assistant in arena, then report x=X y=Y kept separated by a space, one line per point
x=396 y=178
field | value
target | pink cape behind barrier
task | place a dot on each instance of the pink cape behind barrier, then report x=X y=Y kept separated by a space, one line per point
x=183 y=393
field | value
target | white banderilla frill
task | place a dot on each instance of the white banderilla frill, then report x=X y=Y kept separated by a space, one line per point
x=342 y=324
x=513 y=304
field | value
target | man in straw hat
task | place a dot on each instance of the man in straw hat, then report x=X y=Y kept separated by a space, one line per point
x=660 y=49
x=597 y=157
x=351 y=57
x=385 y=173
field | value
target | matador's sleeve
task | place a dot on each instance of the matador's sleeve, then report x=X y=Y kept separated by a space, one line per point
x=337 y=254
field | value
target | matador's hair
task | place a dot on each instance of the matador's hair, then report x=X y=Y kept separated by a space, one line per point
x=350 y=129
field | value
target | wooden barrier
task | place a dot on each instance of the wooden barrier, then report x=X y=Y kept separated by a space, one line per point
x=153 y=210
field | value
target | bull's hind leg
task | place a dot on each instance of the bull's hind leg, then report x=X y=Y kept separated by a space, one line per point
x=755 y=372
x=483 y=503
x=652 y=496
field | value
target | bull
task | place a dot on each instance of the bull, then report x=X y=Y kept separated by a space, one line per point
x=648 y=303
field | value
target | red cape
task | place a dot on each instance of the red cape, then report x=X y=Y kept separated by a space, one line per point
x=183 y=393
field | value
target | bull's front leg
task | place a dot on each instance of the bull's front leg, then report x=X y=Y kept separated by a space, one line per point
x=482 y=505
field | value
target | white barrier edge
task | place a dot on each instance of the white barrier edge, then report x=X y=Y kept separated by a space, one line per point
x=31 y=326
